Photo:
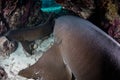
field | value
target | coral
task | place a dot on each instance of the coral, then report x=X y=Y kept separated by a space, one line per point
x=81 y=7
x=10 y=7
x=21 y=13
x=3 y=74
x=25 y=10
x=14 y=20
x=112 y=11
x=3 y=28
x=113 y=19
x=7 y=46
x=7 y=7
x=36 y=15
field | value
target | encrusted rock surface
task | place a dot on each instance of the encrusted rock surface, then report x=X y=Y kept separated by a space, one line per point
x=6 y=46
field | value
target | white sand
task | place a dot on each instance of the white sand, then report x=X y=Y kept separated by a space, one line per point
x=20 y=60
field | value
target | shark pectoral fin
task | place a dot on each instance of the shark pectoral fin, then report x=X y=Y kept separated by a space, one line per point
x=26 y=46
x=33 y=71
x=49 y=67
x=26 y=73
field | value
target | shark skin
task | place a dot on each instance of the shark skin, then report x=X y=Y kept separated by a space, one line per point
x=87 y=52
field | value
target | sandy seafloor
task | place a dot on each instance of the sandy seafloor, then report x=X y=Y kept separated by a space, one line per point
x=19 y=59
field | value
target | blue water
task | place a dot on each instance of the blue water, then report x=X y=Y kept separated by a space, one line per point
x=51 y=9
x=50 y=6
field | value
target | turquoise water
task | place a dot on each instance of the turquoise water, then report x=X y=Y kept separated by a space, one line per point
x=51 y=9
x=50 y=6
